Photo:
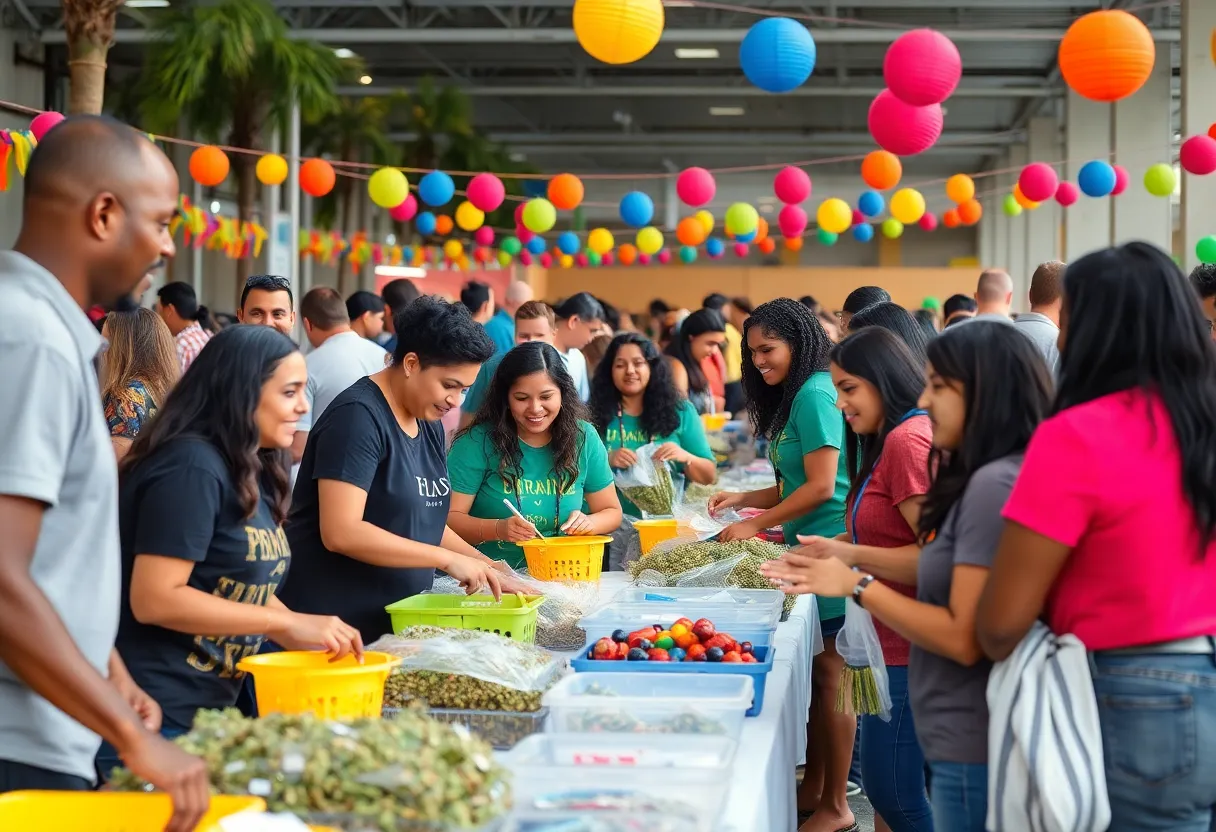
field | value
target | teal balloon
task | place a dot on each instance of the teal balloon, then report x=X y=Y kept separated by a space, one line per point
x=828 y=238
x=688 y=254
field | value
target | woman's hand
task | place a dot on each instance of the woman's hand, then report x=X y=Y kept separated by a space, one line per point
x=802 y=574
x=474 y=575
x=622 y=458
x=577 y=524
x=724 y=500
x=319 y=632
x=519 y=531
x=671 y=452
x=821 y=548
x=742 y=530
x=512 y=584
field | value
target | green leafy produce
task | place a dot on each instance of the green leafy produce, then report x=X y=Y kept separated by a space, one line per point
x=654 y=499
x=708 y=563
x=858 y=692
x=449 y=690
x=698 y=494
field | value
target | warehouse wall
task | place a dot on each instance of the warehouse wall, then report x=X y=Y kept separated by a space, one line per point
x=20 y=83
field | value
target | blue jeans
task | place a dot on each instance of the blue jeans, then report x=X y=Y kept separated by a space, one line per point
x=1158 y=715
x=959 y=794
x=892 y=765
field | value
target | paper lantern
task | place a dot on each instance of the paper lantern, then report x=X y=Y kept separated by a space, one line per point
x=922 y=67
x=565 y=191
x=636 y=209
x=317 y=177
x=741 y=219
x=696 y=187
x=627 y=254
x=43 y=122
x=600 y=241
x=593 y=258
x=1066 y=194
x=827 y=238
x=1095 y=178
x=452 y=249
x=1028 y=204
x=486 y=192
x=1038 y=181
x=1212 y=130
x=546 y=260
x=863 y=233
x=525 y=258
x=741 y=249
x=539 y=215
x=834 y=215
x=618 y=31
x=777 y=54
x=664 y=257
x=482 y=255
x=950 y=219
x=858 y=217
x=714 y=247
x=792 y=221
x=436 y=188
x=1106 y=55
x=970 y=211
x=1205 y=249
x=1198 y=155
x=504 y=259
x=706 y=219
x=892 y=228
x=761 y=229
x=793 y=243
x=907 y=205
x=388 y=187
x=405 y=211
x=792 y=185
x=1159 y=179
x=881 y=170
x=960 y=188
x=566 y=261
x=643 y=259
x=271 y=169
x=484 y=236
x=688 y=254
x=209 y=165
x=425 y=224
x=767 y=246
x=1011 y=206
x=871 y=203
x=568 y=242
x=690 y=232
x=928 y=222
x=1122 y=178
x=901 y=128
x=536 y=245
x=512 y=245
x=649 y=240
x=607 y=259
x=443 y=224
x=582 y=261
x=469 y=217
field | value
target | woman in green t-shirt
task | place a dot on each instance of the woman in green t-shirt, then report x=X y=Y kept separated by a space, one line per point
x=530 y=444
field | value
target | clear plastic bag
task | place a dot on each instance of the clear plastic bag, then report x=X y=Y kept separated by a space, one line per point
x=708 y=563
x=864 y=688
x=485 y=656
x=649 y=485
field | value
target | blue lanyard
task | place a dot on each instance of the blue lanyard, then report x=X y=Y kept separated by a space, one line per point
x=861 y=492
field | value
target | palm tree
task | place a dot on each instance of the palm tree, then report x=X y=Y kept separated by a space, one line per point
x=231 y=70
x=90 y=29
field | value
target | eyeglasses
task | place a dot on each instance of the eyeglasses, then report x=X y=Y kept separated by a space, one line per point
x=267 y=281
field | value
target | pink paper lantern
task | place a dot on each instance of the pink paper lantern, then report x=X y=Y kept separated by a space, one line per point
x=581 y=261
x=922 y=67
x=644 y=259
x=519 y=215
x=927 y=221
x=1038 y=181
x=696 y=187
x=405 y=211
x=1067 y=194
x=486 y=192
x=607 y=259
x=546 y=260
x=523 y=234
x=43 y=122
x=1121 y=179
x=1198 y=155
x=740 y=249
x=525 y=258
x=858 y=219
x=664 y=257
x=901 y=128
x=484 y=236
x=792 y=185
x=792 y=221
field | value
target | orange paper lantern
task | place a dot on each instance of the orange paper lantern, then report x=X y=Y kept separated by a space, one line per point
x=1020 y=198
x=881 y=170
x=1107 y=55
x=960 y=188
x=317 y=177
x=970 y=212
x=208 y=165
x=627 y=254
x=690 y=232
x=793 y=243
x=950 y=219
x=443 y=224
x=762 y=231
x=566 y=191
x=767 y=246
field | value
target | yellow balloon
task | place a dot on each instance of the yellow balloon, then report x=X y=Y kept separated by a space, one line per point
x=469 y=217
x=618 y=31
x=650 y=240
x=907 y=205
x=453 y=249
x=463 y=263
x=388 y=187
x=600 y=241
x=741 y=219
x=834 y=215
x=566 y=261
x=272 y=169
x=706 y=219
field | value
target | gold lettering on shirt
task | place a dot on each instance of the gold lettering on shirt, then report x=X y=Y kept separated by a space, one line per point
x=266 y=544
x=633 y=437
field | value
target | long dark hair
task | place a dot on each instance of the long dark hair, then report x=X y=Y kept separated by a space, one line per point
x=660 y=402
x=894 y=318
x=791 y=322
x=1132 y=322
x=881 y=358
x=566 y=432
x=215 y=401
x=698 y=323
x=1006 y=393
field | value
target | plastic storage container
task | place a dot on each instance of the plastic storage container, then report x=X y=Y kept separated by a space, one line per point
x=107 y=811
x=308 y=682
x=501 y=729
x=747 y=614
x=566 y=558
x=537 y=820
x=670 y=775
x=513 y=617
x=649 y=703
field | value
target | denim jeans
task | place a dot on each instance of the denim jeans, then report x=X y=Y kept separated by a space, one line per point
x=959 y=794
x=892 y=764
x=1158 y=715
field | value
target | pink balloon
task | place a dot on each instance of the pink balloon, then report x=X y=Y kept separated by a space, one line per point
x=741 y=249
x=1067 y=193
x=927 y=221
x=546 y=260
x=581 y=260
x=486 y=192
x=664 y=256
x=607 y=259
x=696 y=187
x=523 y=234
x=1198 y=155
x=922 y=67
x=519 y=215
x=484 y=236
x=644 y=259
x=1121 y=180
x=858 y=219
x=405 y=211
x=901 y=128
x=1038 y=181
x=792 y=185
x=791 y=221
x=43 y=122
x=525 y=258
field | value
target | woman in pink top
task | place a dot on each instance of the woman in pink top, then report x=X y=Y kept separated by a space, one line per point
x=1111 y=531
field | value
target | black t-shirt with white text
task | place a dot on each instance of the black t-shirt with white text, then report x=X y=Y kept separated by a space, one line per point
x=182 y=503
x=358 y=440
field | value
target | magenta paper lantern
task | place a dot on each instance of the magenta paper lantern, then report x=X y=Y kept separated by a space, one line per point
x=519 y=215
x=484 y=236
x=792 y=185
x=525 y=258
x=664 y=257
x=523 y=234
x=740 y=249
x=644 y=259
x=1121 y=179
x=44 y=122
x=581 y=261
x=792 y=221
x=1198 y=155
x=607 y=259
x=486 y=192
x=696 y=187
x=405 y=211
x=927 y=221
x=901 y=128
x=1038 y=181
x=858 y=217
x=546 y=260
x=922 y=67
x=1067 y=194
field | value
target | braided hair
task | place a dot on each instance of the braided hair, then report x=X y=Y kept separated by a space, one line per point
x=791 y=322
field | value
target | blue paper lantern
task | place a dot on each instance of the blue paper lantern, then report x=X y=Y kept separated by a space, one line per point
x=407 y=254
x=425 y=224
x=567 y=243
x=871 y=203
x=637 y=209
x=536 y=245
x=1096 y=178
x=745 y=238
x=863 y=232
x=688 y=254
x=715 y=247
x=777 y=54
x=436 y=188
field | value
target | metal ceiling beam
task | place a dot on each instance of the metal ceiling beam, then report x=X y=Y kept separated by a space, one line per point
x=617 y=149
x=958 y=142
x=693 y=91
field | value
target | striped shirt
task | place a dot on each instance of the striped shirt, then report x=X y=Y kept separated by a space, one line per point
x=190 y=342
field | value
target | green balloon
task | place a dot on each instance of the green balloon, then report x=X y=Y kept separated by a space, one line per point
x=594 y=258
x=892 y=228
x=688 y=254
x=1011 y=205
x=931 y=303
x=828 y=238
x=1205 y=249
x=512 y=246
x=504 y=258
x=1159 y=180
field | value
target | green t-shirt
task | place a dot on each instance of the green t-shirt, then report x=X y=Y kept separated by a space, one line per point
x=689 y=435
x=814 y=423
x=473 y=469
x=477 y=393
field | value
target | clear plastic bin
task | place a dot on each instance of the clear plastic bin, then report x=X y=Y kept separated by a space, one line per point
x=501 y=729
x=648 y=703
x=747 y=614
x=605 y=821
x=670 y=775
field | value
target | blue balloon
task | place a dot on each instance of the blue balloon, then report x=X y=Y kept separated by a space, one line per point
x=536 y=245
x=745 y=238
x=1096 y=178
x=871 y=203
x=436 y=188
x=777 y=54
x=407 y=254
x=425 y=223
x=637 y=209
x=863 y=232
x=567 y=243
x=534 y=188
x=715 y=247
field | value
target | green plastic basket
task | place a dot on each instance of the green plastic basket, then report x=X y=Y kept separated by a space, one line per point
x=513 y=617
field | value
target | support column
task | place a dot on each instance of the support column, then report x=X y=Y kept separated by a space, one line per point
x=1086 y=224
x=1141 y=130
x=1003 y=182
x=1198 y=80
x=1043 y=223
x=1015 y=257
x=986 y=232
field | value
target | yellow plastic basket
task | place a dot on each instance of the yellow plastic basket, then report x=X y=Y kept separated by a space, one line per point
x=566 y=558
x=714 y=421
x=307 y=682
x=107 y=811
x=654 y=532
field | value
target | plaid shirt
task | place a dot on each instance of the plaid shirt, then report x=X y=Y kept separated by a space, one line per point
x=190 y=341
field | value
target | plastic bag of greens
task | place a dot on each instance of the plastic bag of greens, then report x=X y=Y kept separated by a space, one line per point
x=478 y=655
x=647 y=484
x=863 y=682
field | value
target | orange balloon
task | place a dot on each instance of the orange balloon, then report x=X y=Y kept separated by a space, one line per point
x=951 y=219
x=627 y=254
x=767 y=246
x=317 y=177
x=566 y=191
x=793 y=243
x=209 y=165
x=690 y=232
x=1020 y=198
x=443 y=224
x=960 y=188
x=881 y=170
x=762 y=231
x=970 y=211
x=1107 y=55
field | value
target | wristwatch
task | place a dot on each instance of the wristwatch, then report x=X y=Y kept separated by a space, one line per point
x=865 y=581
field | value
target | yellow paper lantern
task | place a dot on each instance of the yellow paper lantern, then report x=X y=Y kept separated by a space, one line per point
x=272 y=169
x=960 y=188
x=650 y=240
x=566 y=261
x=834 y=215
x=907 y=205
x=388 y=187
x=469 y=217
x=618 y=31
x=600 y=241
x=453 y=249
x=707 y=221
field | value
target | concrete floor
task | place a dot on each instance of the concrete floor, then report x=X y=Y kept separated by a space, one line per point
x=863 y=811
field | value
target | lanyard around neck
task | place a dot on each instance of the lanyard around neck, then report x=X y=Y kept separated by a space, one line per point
x=861 y=492
x=557 y=504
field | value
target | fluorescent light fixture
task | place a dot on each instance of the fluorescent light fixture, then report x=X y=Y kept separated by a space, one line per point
x=726 y=111
x=215 y=206
x=697 y=54
x=516 y=156
x=391 y=239
x=766 y=208
x=342 y=53
x=147 y=4
x=365 y=79
x=400 y=271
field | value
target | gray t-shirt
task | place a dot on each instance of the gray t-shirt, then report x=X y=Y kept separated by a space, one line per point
x=335 y=365
x=55 y=448
x=1043 y=333
x=949 y=701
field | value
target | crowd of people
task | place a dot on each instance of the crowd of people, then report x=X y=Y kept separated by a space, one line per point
x=177 y=496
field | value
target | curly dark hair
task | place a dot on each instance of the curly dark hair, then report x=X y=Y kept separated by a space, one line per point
x=661 y=401
x=788 y=320
x=495 y=413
